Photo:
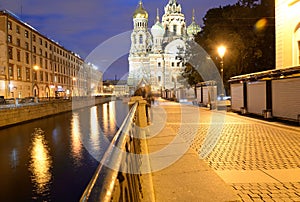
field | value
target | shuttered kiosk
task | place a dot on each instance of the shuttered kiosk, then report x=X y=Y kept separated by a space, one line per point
x=273 y=93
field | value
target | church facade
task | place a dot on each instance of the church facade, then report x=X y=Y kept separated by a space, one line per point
x=153 y=58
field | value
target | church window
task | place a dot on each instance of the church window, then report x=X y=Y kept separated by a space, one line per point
x=141 y=39
x=174 y=28
x=299 y=51
x=159 y=64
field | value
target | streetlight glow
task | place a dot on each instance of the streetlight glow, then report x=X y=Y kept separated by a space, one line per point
x=221 y=51
x=35 y=67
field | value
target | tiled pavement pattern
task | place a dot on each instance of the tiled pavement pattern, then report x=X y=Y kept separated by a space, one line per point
x=268 y=191
x=246 y=144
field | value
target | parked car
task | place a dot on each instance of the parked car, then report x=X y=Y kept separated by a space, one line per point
x=10 y=101
x=29 y=99
x=2 y=100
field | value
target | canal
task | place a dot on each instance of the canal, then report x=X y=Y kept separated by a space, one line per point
x=53 y=159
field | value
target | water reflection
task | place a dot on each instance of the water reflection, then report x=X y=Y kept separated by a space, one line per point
x=14 y=159
x=94 y=134
x=112 y=117
x=40 y=163
x=109 y=118
x=76 y=146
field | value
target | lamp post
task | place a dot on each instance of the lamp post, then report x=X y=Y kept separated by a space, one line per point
x=35 y=69
x=221 y=52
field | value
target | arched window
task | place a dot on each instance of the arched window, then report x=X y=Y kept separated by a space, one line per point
x=297 y=44
x=141 y=39
x=175 y=29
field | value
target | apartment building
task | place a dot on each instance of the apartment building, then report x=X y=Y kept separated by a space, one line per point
x=33 y=65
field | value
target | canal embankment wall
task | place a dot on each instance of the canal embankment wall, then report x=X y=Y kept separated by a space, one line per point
x=19 y=113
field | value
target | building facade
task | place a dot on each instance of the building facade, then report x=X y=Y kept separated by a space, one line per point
x=153 y=57
x=32 y=65
x=287 y=33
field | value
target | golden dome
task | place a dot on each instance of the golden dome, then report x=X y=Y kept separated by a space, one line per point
x=140 y=12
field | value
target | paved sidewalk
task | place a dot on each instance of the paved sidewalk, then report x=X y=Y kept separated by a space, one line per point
x=179 y=174
x=256 y=159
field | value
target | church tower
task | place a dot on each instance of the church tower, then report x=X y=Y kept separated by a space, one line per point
x=173 y=21
x=140 y=46
x=140 y=37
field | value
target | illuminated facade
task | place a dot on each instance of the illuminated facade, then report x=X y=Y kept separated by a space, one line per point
x=34 y=65
x=287 y=33
x=153 y=55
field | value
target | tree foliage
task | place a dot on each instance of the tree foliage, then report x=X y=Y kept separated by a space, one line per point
x=247 y=30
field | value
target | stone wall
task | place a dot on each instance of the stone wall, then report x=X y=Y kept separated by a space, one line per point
x=22 y=113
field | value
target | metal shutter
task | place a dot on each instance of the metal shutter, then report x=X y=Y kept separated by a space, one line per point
x=256 y=97
x=237 y=96
x=286 y=98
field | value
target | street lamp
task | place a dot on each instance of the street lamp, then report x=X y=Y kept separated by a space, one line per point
x=35 y=68
x=221 y=52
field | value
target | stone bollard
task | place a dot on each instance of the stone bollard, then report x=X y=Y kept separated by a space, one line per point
x=141 y=116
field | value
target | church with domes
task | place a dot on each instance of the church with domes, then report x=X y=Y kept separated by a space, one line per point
x=153 y=58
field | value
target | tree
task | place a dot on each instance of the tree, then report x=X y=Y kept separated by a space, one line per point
x=247 y=30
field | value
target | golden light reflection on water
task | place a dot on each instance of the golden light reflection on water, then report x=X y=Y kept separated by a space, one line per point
x=40 y=163
x=105 y=116
x=76 y=146
x=94 y=128
x=112 y=116
x=109 y=118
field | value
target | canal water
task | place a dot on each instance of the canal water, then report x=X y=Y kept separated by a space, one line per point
x=53 y=159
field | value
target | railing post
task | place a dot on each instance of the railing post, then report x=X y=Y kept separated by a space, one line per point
x=141 y=115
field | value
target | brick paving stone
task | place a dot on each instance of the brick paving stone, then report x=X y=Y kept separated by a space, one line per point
x=246 y=144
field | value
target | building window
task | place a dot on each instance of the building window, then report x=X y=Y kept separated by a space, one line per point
x=27 y=73
x=46 y=64
x=18 y=42
x=173 y=64
x=18 y=55
x=299 y=50
x=26 y=45
x=46 y=44
x=11 y=70
x=9 y=39
x=178 y=64
x=41 y=51
x=34 y=75
x=33 y=38
x=19 y=72
x=41 y=42
x=46 y=76
x=18 y=29
x=34 y=59
x=41 y=76
x=159 y=78
x=9 y=25
x=10 y=52
x=26 y=34
x=41 y=62
x=141 y=39
x=27 y=58
x=159 y=64
x=34 y=49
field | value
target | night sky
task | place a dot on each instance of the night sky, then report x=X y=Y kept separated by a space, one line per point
x=83 y=25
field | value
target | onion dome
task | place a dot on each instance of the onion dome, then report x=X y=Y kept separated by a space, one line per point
x=157 y=29
x=193 y=28
x=140 y=12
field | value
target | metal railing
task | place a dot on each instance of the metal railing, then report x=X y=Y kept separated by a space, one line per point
x=108 y=182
